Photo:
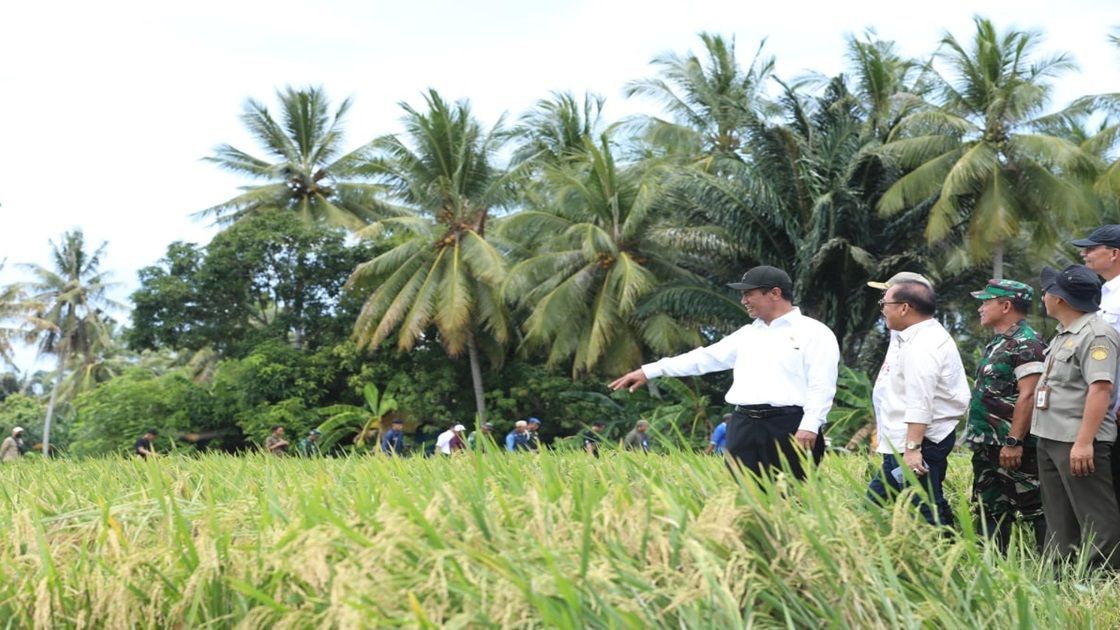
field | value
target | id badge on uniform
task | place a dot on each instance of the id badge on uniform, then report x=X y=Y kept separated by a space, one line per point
x=1042 y=397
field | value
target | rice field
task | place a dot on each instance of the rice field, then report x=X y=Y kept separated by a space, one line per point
x=556 y=540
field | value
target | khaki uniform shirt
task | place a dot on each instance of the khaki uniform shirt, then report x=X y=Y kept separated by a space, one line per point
x=9 y=449
x=272 y=440
x=1078 y=356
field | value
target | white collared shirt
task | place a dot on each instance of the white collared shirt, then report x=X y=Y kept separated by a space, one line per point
x=1110 y=302
x=792 y=361
x=926 y=384
x=443 y=442
x=879 y=389
x=1110 y=312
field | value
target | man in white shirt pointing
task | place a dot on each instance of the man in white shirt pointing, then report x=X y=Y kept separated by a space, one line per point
x=784 y=367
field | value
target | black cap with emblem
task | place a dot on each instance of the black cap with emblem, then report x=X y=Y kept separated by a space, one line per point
x=764 y=277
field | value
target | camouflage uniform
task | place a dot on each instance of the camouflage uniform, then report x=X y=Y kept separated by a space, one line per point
x=1010 y=356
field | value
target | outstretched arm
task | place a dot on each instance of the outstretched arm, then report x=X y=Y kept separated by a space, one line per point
x=714 y=358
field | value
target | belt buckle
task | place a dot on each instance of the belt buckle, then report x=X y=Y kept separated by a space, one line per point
x=755 y=414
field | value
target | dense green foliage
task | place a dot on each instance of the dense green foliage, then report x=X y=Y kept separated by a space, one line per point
x=551 y=540
x=269 y=276
x=134 y=402
x=475 y=272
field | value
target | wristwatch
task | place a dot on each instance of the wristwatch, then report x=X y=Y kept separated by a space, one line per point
x=1011 y=440
x=913 y=446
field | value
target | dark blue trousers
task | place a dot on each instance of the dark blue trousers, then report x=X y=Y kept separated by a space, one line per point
x=884 y=488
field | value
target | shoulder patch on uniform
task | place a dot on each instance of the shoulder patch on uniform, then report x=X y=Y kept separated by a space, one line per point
x=1098 y=353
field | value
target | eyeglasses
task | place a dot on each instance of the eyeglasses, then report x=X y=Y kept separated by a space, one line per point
x=883 y=303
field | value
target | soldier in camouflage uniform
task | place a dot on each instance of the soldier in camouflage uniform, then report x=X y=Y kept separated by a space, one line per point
x=1004 y=459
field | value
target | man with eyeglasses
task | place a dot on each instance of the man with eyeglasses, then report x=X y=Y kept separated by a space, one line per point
x=784 y=368
x=1101 y=253
x=879 y=389
x=926 y=394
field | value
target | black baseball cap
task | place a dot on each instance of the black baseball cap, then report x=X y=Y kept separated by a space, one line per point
x=1107 y=235
x=1078 y=285
x=764 y=277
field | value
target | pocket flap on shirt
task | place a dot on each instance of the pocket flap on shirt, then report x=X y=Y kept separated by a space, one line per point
x=1064 y=354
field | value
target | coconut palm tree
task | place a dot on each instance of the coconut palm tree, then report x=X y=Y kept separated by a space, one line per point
x=979 y=159
x=804 y=201
x=12 y=310
x=442 y=272
x=1105 y=139
x=887 y=86
x=598 y=252
x=709 y=100
x=305 y=170
x=68 y=304
x=105 y=359
x=553 y=131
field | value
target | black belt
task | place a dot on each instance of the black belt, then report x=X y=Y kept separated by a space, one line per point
x=756 y=412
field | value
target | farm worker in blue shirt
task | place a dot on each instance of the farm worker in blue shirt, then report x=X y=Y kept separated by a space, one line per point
x=719 y=437
x=393 y=441
x=518 y=439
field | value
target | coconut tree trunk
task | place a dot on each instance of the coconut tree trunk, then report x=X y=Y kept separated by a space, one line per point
x=51 y=404
x=997 y=262
x=476 y=379
x=297 y=305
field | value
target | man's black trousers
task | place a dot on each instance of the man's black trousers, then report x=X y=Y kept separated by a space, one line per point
x=760 y=439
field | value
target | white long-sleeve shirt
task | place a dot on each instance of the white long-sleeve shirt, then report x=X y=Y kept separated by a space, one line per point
x=879 y=389
x=1110 y=312
x=926 y=384
x=792 y=361
x=1110 y=302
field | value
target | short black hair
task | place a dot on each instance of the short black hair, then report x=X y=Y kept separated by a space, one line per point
x=273 y=428
x=152 y=431
x=919 y=296
x=786 y=295
x=1021 y=306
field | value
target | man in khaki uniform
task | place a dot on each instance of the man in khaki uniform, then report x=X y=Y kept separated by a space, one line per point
x=12 y=447
x=1074 y=419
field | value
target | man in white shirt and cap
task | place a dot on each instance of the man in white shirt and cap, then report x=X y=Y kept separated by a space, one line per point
x=450 y=440
x=784 y=367
x=926 y=394
x=879 y=389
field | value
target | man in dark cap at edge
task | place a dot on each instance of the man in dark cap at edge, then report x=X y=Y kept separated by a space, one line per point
x=1101 y=253
x=1074 y=419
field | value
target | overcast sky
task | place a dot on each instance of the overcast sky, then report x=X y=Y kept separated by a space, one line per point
x=107 y=107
